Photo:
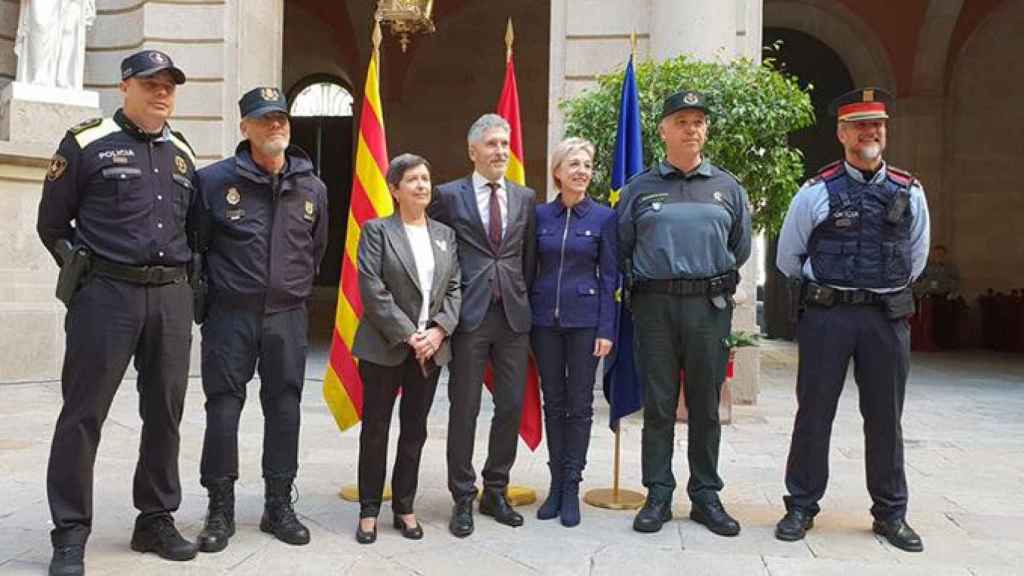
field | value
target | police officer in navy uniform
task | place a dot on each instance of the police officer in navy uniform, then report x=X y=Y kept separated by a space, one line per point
x=855 y=236
x=119 y=192
x=684 y=231
x=267 y=211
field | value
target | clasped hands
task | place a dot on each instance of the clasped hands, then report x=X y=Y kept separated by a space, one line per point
x=425 y=343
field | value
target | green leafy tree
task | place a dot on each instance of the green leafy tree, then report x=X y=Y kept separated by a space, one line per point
x=753 y=107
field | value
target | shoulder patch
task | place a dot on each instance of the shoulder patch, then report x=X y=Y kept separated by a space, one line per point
x=94 y=132
x=899 y=176
x=85 y=125
x=183 y=145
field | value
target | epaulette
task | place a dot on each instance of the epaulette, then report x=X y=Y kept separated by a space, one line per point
x=827 y=172
x=92 y=130
x=734 y=177
x=635 y=176
x=85 y=125
x=900 y=176
x=183 y=145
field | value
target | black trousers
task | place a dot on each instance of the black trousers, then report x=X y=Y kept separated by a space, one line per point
x=880 y=348
x=235 y=341
x=381 y=385
x=508 y=351
x=681 y=333
x=110 y=321
x=567 y=367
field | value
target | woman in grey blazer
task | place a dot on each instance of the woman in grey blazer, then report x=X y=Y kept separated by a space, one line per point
x=409 y=284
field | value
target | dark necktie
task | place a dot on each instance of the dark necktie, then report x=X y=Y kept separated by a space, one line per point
x=494 y=234
x=494 y=219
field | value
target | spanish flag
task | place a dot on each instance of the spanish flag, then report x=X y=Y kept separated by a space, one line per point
x=343 y=388
x=530 y=427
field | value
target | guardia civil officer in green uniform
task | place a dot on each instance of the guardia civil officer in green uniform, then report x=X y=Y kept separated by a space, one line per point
x=116 y=212
x=684 y=231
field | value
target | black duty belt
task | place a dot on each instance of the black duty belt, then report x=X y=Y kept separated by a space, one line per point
x=723 y=284
x=145 y=275
x=821 y=295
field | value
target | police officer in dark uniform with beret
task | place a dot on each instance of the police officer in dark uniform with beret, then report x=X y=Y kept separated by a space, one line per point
x=855 y=237
x=268 y=215
x=684 y=231
x=114 y=213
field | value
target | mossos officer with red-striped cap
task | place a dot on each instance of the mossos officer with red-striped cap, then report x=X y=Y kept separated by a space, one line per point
x=855 y=237
x=267 y=215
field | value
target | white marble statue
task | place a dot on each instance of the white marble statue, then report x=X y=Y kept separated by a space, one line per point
x=51 y=42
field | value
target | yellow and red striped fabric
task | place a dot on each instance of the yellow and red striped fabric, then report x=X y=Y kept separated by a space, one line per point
x=530 y=428
x=343 y=388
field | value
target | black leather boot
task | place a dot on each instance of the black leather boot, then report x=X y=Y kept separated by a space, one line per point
x=68 y=560
x=577 y=441
x=555 y=428
x=220 y=516
x=279 y=516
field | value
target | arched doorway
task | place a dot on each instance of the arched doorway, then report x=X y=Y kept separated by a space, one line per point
x=818 y=65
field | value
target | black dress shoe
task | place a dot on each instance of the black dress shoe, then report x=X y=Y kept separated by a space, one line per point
x=461 y=524
x=414 y=533
x=650 y=518
x=68 y=560
x=160 y=536
x=713 y=515
x=366 y=537
x=493 y=503
x=899 y=534
x=794 y=525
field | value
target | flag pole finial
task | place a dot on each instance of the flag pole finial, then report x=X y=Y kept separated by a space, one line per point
x=376 y=37
x=509 y=39
x=632 y=43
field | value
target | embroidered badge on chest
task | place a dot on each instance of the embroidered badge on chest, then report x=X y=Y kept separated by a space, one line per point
x=180 y=164
x=232 y=196
x=308 y=215
x=718 y=197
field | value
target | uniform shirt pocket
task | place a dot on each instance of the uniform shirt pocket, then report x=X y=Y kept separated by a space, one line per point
x=126 y=182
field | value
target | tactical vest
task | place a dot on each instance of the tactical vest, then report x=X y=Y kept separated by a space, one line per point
x=858 y=245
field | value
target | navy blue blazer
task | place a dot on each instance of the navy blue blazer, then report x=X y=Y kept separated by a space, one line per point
x=577 y=271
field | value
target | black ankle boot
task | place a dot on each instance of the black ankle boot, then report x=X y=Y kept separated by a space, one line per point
x=220 y=516
x=570 y=513
x=279 y=516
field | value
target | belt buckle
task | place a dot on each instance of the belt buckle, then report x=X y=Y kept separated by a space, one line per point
x=149 y=274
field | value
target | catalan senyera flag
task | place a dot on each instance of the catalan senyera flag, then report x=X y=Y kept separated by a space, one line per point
x=530 y=428
x=622 y=385
x=343 y=388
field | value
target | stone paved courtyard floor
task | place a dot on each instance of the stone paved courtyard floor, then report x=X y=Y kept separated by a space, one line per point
x=964 y=428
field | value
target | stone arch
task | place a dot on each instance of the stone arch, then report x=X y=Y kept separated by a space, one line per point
x=856 y=43
x=933 y=46
x=984 y=152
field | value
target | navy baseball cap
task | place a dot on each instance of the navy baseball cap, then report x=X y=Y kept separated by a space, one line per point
x=147 y=63
x=263 y=100
x=684 y=100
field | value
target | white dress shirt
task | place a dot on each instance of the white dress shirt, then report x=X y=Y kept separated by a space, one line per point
x=423 y=254
x=483 y=201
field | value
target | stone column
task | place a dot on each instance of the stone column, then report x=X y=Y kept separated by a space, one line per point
x=719 y=31
x=253 y=52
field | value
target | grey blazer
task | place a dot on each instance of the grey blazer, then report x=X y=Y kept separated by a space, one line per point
x=512 y=264
x=390 y=290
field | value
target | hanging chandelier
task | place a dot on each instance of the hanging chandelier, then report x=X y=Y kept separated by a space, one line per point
x=405 y=18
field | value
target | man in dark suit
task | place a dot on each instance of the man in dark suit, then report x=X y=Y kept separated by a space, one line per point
x=493 y=220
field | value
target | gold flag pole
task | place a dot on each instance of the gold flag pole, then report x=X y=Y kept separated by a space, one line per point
x=350 y=492
x=616 y=499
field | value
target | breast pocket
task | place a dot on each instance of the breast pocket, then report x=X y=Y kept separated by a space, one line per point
x=126 y=183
